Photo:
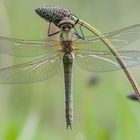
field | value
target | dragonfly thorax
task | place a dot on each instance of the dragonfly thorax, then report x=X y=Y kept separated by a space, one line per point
x=66 y=42
x=67 y=35
x=67 y=46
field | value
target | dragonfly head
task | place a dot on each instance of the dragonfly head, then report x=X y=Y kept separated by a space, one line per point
x=66 y=24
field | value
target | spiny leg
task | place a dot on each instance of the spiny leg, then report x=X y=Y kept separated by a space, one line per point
x=49 y=29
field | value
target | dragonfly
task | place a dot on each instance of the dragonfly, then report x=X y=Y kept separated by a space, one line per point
x=89 y=52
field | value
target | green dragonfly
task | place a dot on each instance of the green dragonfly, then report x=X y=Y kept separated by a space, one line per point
x=90 y=53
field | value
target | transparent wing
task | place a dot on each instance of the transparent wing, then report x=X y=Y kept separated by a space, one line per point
x=33 y=71
x=119 y=39
x=27 y=48
x=105 y=61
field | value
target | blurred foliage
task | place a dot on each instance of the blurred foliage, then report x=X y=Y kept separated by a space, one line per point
x=36 y=111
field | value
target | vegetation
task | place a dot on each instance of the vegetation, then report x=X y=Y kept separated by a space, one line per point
x=101 y=110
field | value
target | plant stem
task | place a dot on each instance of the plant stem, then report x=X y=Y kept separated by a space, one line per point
x=115 y=54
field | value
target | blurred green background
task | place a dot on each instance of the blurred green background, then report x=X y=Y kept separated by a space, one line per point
x=36 y=111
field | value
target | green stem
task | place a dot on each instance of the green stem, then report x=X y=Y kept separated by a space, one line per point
x=115 y=54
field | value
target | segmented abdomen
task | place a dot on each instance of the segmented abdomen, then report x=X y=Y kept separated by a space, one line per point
x=53 y=14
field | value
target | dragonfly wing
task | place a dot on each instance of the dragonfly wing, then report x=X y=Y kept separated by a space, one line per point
x=119 y=39
x=30 y=72
x=27 y=48
x=105 y=61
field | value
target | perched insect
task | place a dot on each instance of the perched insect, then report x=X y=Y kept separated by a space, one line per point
x=90 y=53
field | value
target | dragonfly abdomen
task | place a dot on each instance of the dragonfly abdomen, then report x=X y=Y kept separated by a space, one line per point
x=67 y=62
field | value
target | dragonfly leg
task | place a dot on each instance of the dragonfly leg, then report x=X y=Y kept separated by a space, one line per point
x=80 y=27
x=77 y=34
x=76 y=20
x=49 y=31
